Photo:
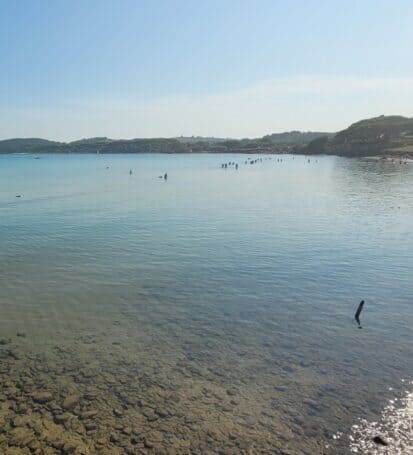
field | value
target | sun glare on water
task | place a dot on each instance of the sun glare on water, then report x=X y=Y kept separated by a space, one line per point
x=392 y=434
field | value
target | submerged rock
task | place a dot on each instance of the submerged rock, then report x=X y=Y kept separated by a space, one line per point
x=21 y=437
x=127 y=430
x=380 y=441
x=62 y=418
x=88 y=415
x=42 y=397
x=21 y=421
x=90 y=426
x=71 y=401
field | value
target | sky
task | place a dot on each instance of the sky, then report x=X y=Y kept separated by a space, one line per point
x=71 y=69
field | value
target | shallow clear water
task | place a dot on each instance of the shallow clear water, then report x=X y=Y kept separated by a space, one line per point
x=234 y=289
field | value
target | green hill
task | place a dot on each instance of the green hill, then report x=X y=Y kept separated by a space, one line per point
x=384 y=135
x=378 y=136
x=93 y=145
x=296 y=137
x=91 y=140
x=29 y=145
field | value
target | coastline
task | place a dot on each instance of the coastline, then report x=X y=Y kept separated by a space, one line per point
x=383 y=136
x=404 y=156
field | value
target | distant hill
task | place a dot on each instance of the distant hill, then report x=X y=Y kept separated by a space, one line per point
x=153 y=145
x=384 y=135
x=93 y=145
x=91 y=140
x=29 y=145
x=296 y=137
x=272 y=143
x=198 y=139
x=286 y=138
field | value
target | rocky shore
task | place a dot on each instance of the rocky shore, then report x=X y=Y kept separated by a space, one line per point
x=140 y=379
x=88 y=398
x=59 y=404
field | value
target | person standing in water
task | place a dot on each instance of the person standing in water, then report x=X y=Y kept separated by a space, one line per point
x=130 y=171
x=165 y=176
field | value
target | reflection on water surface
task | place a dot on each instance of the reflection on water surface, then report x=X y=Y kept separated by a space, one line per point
x=211 y=312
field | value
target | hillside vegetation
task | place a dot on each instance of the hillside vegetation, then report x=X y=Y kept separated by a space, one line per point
x=296 y=137
x=266 y=144
x=30 y=145
x=385 y=135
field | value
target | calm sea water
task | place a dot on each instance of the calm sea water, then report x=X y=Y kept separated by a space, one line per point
x=217 y=278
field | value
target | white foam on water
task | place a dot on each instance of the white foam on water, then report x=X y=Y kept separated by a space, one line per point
x=395 y=426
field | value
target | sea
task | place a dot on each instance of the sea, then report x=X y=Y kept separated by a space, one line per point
x=211 y=311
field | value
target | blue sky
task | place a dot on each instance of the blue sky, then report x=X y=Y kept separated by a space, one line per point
x=129 y=68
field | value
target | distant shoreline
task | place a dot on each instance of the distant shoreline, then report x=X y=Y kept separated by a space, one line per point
x=384 y=136
x=388 y=157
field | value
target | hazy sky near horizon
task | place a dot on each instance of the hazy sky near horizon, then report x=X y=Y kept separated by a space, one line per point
x=233 y=68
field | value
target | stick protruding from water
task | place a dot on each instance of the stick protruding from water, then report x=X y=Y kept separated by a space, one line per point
x=357 y=315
